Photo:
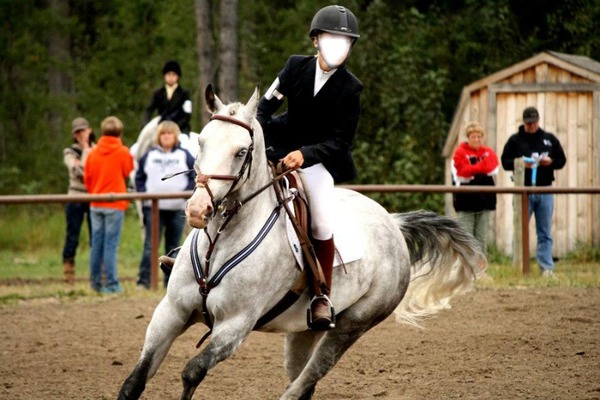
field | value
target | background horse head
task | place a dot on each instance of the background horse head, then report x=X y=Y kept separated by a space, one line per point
x=228 y=280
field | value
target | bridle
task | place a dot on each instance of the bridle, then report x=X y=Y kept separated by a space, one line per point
x=203 y=179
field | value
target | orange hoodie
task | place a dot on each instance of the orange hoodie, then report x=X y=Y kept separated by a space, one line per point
x=107 y=167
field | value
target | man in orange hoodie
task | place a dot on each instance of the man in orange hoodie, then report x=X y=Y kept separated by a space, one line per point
x=107 y=167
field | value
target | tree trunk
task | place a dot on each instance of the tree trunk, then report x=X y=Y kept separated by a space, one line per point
x=58 y=51
x=205 y=48
x=228 y=51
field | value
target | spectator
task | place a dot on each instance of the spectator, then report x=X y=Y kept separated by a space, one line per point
x=317 y=131
x=107 y=168
x=74 y=158
x=164 y=158
x=171 y=101
x=475 y=164
x=543 y=154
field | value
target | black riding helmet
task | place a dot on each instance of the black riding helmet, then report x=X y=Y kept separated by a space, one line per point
x=335 y=19
x=172 y=66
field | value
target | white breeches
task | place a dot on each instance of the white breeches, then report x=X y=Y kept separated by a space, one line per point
x=318 y=184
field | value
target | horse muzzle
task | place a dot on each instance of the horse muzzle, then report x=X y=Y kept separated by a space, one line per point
x=198 y=212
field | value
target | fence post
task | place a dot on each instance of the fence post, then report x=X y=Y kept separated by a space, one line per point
x=520 y=221
x=519 y=180
x=525 y=231
x=155 y=242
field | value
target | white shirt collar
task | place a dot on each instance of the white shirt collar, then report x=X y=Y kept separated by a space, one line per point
x=321 y=77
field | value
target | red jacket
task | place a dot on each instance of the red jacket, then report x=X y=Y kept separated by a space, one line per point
x=474 y=167
x=470 y=162
x=106 y=169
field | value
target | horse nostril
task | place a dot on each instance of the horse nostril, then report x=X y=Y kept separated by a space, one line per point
x=209 y=210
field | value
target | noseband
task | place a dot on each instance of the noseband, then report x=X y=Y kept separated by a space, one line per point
x=203 y=179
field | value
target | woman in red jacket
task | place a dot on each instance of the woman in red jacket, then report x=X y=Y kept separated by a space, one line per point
x=475 y=164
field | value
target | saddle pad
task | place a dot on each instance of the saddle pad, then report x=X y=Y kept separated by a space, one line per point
x=347 y=237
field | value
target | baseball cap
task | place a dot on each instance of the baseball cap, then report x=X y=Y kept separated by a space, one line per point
x=531 y=114
x=79 y=124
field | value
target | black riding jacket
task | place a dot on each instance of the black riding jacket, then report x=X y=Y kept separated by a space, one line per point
x=322 y=127
x=170 y=110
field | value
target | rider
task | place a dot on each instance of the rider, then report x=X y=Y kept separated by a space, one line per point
x=316 y=132
x=171 y=101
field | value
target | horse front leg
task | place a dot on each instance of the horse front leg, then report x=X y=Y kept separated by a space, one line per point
x=298 y=349
x=227 y=337
x=168 y=322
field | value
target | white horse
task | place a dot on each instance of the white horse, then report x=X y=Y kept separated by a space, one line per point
x=427 y=256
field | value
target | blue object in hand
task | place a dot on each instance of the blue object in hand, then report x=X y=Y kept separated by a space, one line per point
x=533 y=169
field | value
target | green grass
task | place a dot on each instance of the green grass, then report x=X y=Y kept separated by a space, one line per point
x=568 y=274
x=580 y=268
x=32 y=237
x=31 y=242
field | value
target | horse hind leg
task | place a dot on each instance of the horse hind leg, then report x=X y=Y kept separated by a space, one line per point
x=326 y=354
x=327 y=350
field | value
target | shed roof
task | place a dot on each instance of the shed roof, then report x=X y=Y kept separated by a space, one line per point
x=578 y=65
x=581 y=61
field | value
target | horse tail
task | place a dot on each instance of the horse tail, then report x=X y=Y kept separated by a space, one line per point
x=445 y=261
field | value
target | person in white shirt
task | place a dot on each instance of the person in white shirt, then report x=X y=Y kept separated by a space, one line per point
x=165 y=157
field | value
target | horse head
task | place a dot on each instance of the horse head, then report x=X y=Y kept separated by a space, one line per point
x=229 y=145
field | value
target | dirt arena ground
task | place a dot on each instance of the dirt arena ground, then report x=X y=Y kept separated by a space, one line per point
x=493 y=344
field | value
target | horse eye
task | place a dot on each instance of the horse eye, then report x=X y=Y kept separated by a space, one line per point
x=241 y=153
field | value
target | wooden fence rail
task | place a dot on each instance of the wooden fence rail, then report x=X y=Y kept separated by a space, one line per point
x=154 y=197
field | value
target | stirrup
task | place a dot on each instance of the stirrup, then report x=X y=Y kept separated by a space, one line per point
x=322 y=324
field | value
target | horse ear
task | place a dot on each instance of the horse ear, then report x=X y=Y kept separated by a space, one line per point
x=252 y=104
x=213 y=103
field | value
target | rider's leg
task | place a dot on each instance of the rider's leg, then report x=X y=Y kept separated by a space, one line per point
x=318 y=184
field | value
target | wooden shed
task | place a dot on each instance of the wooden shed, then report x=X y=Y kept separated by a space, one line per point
x=566 y=91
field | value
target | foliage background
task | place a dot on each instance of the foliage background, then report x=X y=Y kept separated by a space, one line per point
x=414 y=57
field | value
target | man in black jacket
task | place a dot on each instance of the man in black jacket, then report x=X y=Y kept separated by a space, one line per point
x=543 y=154
x=316 y=132
x=171 y=101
